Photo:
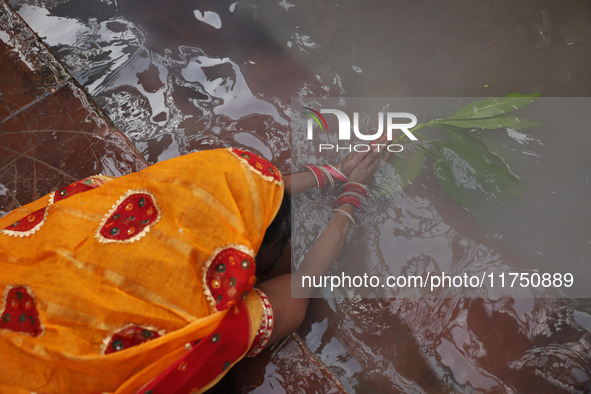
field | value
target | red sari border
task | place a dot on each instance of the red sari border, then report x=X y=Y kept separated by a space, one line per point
x=208 y=358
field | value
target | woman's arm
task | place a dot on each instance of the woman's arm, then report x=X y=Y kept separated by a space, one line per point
x=299 y=182
x=289 y=311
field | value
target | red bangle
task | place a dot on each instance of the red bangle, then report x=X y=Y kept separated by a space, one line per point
x=335 y=173
x=266 y=327
x=320 y=181
x=358 y=196
x=349 y=200
x=355 y=188
x=327 y=176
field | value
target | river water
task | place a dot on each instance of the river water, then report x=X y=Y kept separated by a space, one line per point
x=180 y=76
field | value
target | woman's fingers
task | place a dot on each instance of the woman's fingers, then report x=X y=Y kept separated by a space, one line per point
x=368 y=165
x=353 y=159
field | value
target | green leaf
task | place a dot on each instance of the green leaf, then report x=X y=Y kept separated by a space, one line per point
x=464 y=162
x=524 y=95
x=497 y=122
x=489 y=107
x=400 y=171
x=449 y=181
x=445 y=174
x=496 y=171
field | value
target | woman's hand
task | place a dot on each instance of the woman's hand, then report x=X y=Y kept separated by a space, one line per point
x=350 y=162
x=354 y=159
x=363 y=172
x=367 y=162
x=359 y=165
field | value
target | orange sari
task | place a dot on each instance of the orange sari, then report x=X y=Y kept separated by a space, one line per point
x=139 y=282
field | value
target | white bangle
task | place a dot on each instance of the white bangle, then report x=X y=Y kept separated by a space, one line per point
x=358 y=196
x=345 y=214
x=327 y=176
x=309 y=168
x=361 y=185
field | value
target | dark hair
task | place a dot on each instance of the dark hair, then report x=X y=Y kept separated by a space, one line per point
x=275 y=239
x=281 y=225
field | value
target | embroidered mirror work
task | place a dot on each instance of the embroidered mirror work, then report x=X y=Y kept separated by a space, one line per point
x=130 y=219
x=20 y=312
x=129 y=337
x=229 y=277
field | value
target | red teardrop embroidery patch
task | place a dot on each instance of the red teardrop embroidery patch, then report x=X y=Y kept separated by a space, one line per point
x=130 y=219
x=129 y=337
x=20 y=312
x=27 y=225
x=33 y=222
x=78 y=187
x=259 y=165
x=229 y=276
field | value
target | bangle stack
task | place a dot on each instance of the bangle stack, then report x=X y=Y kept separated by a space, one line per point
x=353 y=193
x=326 y=173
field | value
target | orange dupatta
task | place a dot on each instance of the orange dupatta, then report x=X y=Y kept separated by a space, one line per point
x=110 y=282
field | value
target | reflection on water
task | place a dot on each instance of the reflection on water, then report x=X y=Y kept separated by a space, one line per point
x=491 y=344
x=180 y=76
x=494 y=343
x=181 y=93
x=459 y=345
x=191 y=69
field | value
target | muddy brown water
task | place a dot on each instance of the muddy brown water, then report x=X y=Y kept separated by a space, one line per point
x=180 y=76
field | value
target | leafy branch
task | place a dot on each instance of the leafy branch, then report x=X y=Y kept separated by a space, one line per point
x=462 y=161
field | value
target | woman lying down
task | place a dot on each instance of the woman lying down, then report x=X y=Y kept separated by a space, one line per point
x=148 y=282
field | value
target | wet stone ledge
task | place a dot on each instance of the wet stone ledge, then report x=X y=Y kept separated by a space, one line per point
x=51 y=133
